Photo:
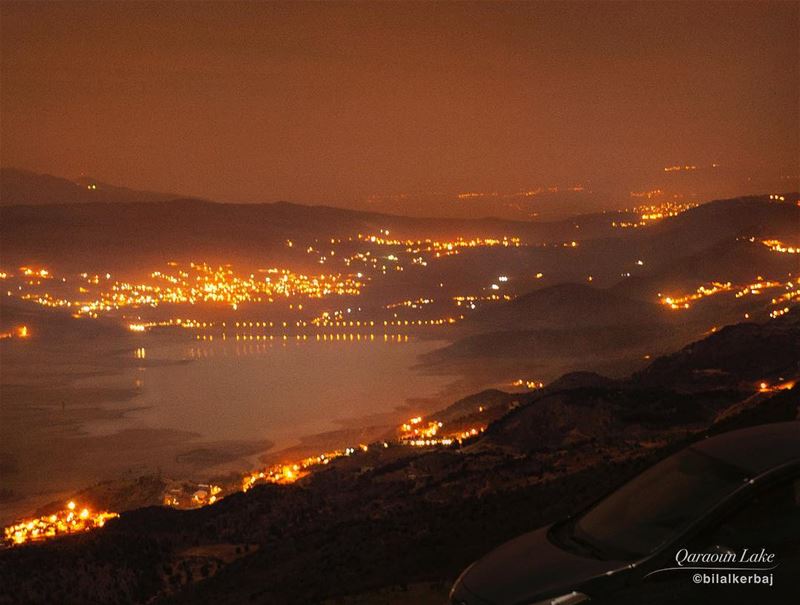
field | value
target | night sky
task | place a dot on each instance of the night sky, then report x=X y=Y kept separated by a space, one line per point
x=352 y=104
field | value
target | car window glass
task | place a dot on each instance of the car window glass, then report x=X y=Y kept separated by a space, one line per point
x=663 y=500
x=771 y=518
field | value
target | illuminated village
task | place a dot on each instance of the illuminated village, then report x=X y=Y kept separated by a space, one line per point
x=296 y=302
x=72 y=519
x=199 y=283
x=179 y=297
x=416 y=432
x=328 y=325
x=651 y=213
x=187 y=495
x=787 y=290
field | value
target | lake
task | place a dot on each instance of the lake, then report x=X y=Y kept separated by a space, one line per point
x=74 y=413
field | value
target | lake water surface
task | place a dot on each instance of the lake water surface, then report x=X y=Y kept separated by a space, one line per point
x=72 y=414
x=279 y=390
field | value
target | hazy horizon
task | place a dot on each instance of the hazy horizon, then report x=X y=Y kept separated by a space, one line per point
x=442 y=110
x=548 y=206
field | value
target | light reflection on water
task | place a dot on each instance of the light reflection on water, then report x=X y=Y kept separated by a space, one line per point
x=272 y=388
x=255 y=344
x=77 y=412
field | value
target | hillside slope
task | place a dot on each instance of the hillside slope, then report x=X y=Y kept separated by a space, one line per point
x=391 y=517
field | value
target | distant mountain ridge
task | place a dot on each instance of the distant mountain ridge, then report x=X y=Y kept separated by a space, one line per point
x=181 y=229
x=565 y=305
x=691 y=385
x=23 y=187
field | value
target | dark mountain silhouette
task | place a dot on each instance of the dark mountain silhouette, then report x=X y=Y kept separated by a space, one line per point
x=692 y=385
x=708 y=224
x=132 y=233
x=615 y=330
x=736 y=260
x=132 y=228
x=568 y=305
x=576 y=380
x=546 y=353
x=22 y=187
x=749 y=352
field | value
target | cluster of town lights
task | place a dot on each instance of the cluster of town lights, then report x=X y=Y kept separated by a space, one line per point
x=418 y=434
x=74 y=519
x=70 y=520
x=430 y=245
x=651 y=213
x=197 y=283
x=757 y=287
x=530 y=384
x=778 y=246
x=682 y=302
x=289 y=473
x=18 y=332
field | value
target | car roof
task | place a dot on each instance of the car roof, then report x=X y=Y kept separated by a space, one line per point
x=757 y=449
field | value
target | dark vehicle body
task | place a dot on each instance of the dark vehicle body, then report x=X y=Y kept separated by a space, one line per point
x=733 y=498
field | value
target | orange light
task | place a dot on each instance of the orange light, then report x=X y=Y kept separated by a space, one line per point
x=54 y=525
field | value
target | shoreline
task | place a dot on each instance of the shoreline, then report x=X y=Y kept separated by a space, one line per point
x=60 y=413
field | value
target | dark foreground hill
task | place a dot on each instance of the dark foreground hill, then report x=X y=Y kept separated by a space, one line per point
x=401 y=522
